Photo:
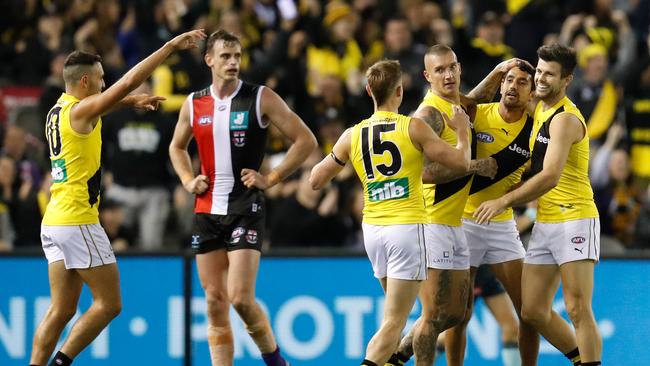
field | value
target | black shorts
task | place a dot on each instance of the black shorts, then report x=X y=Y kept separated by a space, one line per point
x=230 y=232
x=486 y=284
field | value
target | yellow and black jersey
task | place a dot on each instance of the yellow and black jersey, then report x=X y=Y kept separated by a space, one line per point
x=507 y=143
x=76 y=168
x=572 y=198
x=445 y=202
x=390 y=169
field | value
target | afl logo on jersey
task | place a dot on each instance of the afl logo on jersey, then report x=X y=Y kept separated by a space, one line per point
x=485 y=137
x=205 y=120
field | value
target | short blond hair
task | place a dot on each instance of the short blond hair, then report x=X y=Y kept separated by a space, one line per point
x=383 y=77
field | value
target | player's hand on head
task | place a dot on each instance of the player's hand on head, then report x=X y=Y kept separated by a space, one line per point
x=188 y=40
x=487 y=167
x=198 y=185
x=506 y=65
x=251 y=178
x=146 y=102
x=459 y=120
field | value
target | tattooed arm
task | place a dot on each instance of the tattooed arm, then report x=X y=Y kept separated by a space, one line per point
x=436 y=173
x=484 y=92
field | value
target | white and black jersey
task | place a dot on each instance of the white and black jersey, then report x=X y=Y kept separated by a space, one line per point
x=231 y=136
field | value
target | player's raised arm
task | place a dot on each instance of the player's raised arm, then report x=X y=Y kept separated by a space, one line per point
x=179 y=156
x=87 y=111
x=323 y=172
x=565 y=130
x=484 y=92
x=436 y=150
x=275 y=110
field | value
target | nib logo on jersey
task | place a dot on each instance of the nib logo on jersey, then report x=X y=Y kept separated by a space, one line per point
x=388 y=190
x=59 y=172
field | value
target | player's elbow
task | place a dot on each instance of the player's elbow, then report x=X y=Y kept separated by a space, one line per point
x=551 y=179
x=309 y=142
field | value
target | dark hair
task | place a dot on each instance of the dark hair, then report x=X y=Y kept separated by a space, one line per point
x=526 y=67
x=565 y=56
x=397 y=18
x=81 y=58
x=77 y=64
x=383 y=78
x=439 y=49
x=218 y=35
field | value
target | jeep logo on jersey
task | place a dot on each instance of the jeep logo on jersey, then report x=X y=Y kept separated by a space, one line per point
x=520 y=150
x=239 y=120
x=205 y=120
x=485 y=137
x=578 y=239
x=388 y=190
x=239 y=138
x=59 y=171
x=542 y=139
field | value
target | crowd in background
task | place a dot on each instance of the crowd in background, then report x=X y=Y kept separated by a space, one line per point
x=314 y=54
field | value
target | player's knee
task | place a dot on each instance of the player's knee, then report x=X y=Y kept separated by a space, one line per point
x=535 y=317
x=217 y=304
x=577 y=309
x=63 y=314
x=110 y=309
x=244 y=305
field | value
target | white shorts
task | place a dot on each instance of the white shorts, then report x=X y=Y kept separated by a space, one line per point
x=79 y=246
x=396 y=251
x=562 y=242
x=446 y=247
x=496 y=242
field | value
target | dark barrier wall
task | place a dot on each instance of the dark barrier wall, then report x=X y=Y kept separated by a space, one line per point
x=324 y=311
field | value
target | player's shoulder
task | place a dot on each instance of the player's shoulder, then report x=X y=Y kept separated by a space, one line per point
x=203 y=93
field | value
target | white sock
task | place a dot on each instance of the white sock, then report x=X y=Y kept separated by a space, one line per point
x=510 y=356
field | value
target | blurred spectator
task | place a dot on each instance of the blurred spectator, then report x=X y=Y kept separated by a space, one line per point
x=637 y=112
x=53 y=87
x=111 y=217
x=593 y=91
x=6 y=232
x=99 y=35
x=642 y=231
x=337 y=54
x=309 y=218
x=399 y=46
x=136 y=144
x=15 y=146
x=178 y=76
x=480 y=54
x=616 y=197
x=20 y=196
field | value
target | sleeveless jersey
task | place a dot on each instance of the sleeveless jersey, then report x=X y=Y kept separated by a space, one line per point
x=76 y=168
x=445 y=202
x=231 y=136
x=572 y=198
x=507 y=143
x=390 y=169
